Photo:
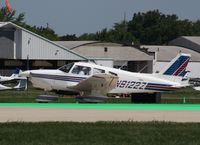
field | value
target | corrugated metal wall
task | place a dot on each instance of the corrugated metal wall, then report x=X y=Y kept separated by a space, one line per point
x=39 y=48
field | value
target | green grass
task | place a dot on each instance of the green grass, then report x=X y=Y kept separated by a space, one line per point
x=186 y=95
x=190 y=95
x=100 y=133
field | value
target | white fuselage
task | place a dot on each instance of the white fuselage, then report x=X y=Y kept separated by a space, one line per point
x=128 y=82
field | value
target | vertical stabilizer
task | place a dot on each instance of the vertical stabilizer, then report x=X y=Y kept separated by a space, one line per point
x=177 y=67
x=16 y=73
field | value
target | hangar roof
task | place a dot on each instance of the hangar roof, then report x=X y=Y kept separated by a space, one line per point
x=195 y=39
x=167 y=53
x=113 y=51
x=190 y=42
x=73 y=44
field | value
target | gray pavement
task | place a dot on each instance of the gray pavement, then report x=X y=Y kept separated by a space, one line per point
x=16 y=114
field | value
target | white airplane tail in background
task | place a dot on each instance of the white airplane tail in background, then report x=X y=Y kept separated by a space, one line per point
x=177 y=67
x=16 y=73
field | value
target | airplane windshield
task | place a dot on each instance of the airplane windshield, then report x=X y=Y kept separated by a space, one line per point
x=66 y=68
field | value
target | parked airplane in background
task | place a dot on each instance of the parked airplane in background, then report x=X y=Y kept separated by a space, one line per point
x=6 y=83
x=22 y=85
x=94 y=82
x=14 y=76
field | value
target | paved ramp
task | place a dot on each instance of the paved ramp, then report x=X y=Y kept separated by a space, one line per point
x=35 y=112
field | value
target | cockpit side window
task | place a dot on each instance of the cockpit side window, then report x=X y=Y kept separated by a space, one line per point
x=98 y=71
x=81 y=70
x=66 y=68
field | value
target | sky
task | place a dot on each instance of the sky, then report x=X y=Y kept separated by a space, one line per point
x=89 y=16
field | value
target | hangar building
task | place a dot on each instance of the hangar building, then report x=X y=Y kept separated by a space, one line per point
x=27 y=50
x=24 y=49
x=128 y=57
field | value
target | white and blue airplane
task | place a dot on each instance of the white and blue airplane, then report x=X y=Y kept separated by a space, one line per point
x=21 y=81
x=93 y=82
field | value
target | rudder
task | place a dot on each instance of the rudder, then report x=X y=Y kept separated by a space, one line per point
x=177 y=67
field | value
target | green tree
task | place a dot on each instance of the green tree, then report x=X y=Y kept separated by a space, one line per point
x=87 y=36
x=146 y=27
x=196 y=28
x=68 y=37
x=153 y=27
x=120 y=34
x=5 y=16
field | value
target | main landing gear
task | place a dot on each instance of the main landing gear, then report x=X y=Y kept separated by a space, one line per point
x=46 y=98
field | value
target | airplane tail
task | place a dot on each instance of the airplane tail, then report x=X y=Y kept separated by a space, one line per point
x=175 y=71
x=16 y=73
x=177 y=67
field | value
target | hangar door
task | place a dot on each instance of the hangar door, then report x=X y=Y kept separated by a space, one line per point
x=7 y=44
x=140 y=66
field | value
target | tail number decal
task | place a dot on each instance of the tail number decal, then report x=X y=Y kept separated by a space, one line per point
x=131 y=85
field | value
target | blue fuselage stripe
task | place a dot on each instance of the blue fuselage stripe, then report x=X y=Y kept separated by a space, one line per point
x=58 y=77
x=159 y=87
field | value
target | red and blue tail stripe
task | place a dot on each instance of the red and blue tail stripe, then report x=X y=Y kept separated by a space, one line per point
x=178 y=68
x=182 y=68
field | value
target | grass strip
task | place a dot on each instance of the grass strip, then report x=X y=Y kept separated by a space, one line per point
x=100 y=133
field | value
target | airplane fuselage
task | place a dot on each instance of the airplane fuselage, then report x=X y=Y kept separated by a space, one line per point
x=128 y=82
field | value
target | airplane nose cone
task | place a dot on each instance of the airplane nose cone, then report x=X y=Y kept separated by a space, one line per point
x=25 y=73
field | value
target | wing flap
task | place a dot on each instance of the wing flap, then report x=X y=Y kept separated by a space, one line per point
x=97 y=85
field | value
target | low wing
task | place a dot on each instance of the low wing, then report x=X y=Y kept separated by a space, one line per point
x=97 y=85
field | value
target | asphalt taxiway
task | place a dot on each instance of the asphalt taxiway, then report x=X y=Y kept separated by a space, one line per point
x=39 y=112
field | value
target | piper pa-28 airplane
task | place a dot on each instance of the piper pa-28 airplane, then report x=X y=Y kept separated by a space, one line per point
x=6 y=81
x=93 y=82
